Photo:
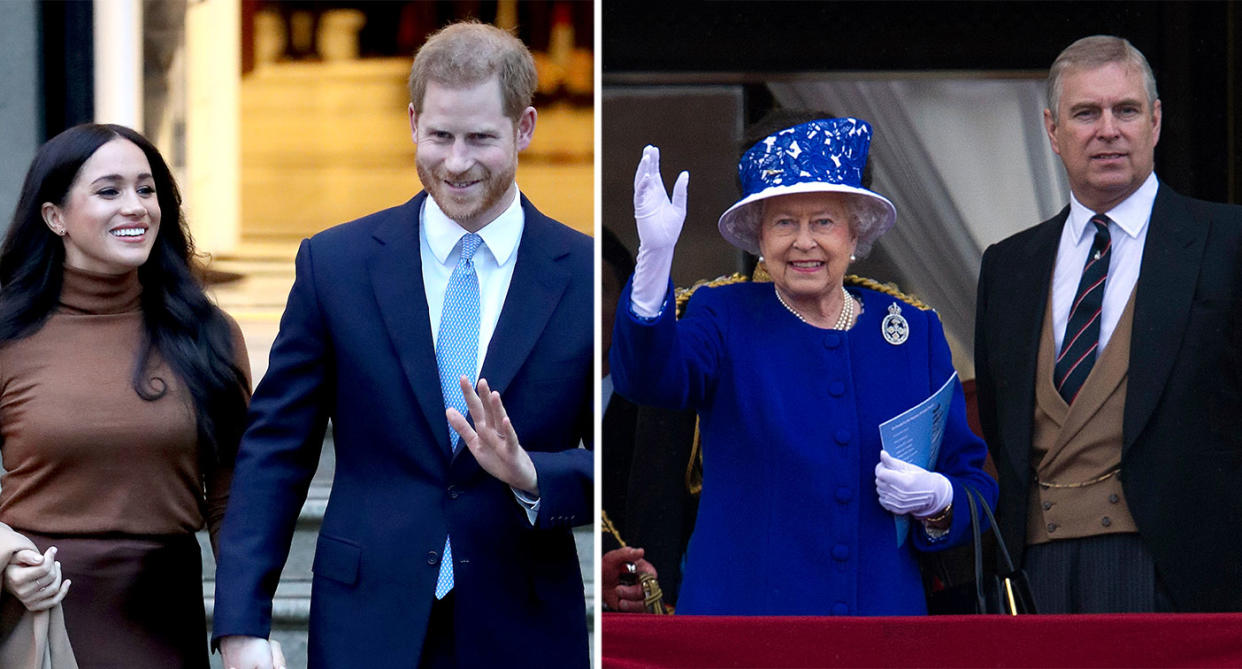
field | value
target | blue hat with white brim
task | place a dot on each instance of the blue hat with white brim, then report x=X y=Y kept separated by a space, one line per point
x=822 y=156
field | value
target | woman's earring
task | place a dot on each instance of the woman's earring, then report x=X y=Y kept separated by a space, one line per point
x=853 y=257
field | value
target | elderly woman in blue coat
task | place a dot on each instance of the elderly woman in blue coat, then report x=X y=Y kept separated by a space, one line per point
x=791 y=380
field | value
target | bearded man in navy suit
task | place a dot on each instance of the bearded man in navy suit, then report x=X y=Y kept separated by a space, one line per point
x=444 y=544
x=1107 y=380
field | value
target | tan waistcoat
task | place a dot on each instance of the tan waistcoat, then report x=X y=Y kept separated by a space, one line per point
x=1076 y=450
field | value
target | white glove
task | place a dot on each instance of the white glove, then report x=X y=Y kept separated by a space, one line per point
x=909 y=489
x=659 y=222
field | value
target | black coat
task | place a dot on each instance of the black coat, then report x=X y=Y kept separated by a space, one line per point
x=1182 y=452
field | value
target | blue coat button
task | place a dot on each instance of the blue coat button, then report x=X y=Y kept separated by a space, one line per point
x=841 y=552
x=844 y=494
x=832 y=340
x=840 y=609
x=433 y=558
x=836 y=388
x=842 y=436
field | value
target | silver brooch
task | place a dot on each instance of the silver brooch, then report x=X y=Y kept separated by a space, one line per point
x=895 y=328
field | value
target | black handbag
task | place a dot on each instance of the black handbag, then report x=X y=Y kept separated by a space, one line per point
x=953 y=592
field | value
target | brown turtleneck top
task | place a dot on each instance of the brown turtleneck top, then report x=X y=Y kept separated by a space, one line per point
x=82 y=452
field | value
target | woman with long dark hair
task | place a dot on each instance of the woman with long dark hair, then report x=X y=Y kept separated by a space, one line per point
x=123 y=394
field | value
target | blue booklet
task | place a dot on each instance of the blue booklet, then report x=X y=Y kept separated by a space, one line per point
x=914 y=435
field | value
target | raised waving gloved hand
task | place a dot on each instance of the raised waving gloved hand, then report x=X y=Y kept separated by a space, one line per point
x=659 y=219
x=905 y=488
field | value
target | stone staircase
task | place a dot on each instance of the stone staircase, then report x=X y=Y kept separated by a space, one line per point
x=291 y=607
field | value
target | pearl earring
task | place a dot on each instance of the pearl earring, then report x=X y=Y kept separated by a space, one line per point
x=853 y=257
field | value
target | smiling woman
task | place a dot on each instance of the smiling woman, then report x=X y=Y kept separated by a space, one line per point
x=111 y=215
x=807 y=241
x=790 y=380
x=123 y=393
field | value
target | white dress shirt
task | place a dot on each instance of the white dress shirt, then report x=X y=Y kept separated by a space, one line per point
x=439 y=245
x=1128 y=232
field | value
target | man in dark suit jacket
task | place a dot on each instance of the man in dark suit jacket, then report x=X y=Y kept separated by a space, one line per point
x=431 y=551
x=1118 y=492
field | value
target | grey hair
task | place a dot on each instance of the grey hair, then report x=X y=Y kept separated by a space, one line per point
x=868 y=221
x=1098 y=51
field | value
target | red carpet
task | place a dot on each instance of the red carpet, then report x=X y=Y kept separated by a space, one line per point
x=1131 y=640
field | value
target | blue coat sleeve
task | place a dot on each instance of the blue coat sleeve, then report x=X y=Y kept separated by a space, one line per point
x=275 y=463
x=962 y=454
x=566 y=487
x=666 y=362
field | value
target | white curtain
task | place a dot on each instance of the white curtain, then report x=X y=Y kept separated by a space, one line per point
x=967 y=163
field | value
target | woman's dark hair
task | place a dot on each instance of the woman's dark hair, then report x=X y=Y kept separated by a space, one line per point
x=190 y=333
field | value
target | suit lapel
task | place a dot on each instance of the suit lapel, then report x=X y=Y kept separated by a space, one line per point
x=397 y=279
x=1030 y=277
x=534 y=292
x=1166 y=285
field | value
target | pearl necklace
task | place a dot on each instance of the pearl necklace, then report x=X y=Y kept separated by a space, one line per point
x=843 y=320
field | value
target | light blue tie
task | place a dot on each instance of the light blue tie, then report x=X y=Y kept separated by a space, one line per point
x=457 y=354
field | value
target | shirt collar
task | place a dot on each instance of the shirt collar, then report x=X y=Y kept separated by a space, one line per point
x=500 y=236
x=1131 y=215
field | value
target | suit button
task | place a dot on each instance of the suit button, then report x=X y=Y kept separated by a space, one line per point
x=841 y=552
x=836 y=388
x=844 y=494
x=1105 y=521
x=840 y=609
x=842 y=436
x=1047 y=505
x=433 y=558
x=1052 y=527
x=1114 y=498
x=453 y=493
x=832 y=340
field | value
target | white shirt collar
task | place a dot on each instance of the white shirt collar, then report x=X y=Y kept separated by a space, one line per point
x=1131 y=215
x=501 y=235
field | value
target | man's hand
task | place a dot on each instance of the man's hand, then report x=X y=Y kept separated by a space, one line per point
x=614 y=564
x=35 y=579
x=251 y=652
x=492 y=440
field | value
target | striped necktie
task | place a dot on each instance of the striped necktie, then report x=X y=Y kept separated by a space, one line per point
x=457 y=354
x=1081 y=344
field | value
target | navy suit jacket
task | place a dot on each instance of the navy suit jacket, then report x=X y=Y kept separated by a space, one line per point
x=1181 y=456
x=355 y=347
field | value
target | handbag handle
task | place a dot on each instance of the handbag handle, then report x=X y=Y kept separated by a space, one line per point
x=1000 y=542
x=980 y=602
